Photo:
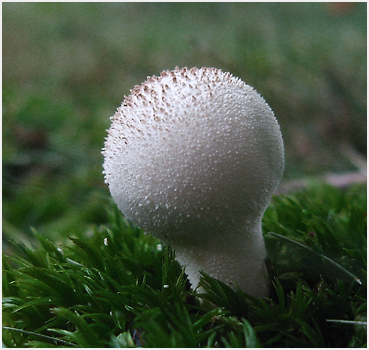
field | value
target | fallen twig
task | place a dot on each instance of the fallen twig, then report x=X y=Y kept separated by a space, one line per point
x=337 y=180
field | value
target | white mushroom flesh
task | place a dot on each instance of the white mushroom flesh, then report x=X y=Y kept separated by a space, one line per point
x=193 y=157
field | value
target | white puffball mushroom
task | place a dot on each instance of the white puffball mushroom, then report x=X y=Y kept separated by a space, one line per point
x=193 y=158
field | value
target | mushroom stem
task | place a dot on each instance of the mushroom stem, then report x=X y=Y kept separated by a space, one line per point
x=241 y=250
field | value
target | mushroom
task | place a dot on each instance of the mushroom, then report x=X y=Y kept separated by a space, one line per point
x=193 y=157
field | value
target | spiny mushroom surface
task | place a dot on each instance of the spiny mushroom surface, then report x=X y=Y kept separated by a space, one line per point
x=193 y=157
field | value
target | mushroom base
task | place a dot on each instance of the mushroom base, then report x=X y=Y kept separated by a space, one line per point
x=237 y=260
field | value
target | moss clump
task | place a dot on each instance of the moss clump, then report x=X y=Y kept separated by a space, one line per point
x=122 y=288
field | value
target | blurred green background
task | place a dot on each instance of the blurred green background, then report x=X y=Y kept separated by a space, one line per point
x=67 y=67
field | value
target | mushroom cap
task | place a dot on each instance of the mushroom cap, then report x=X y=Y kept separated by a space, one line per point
x=191 y=153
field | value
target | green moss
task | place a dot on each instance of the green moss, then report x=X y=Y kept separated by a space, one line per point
x=122 y=288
